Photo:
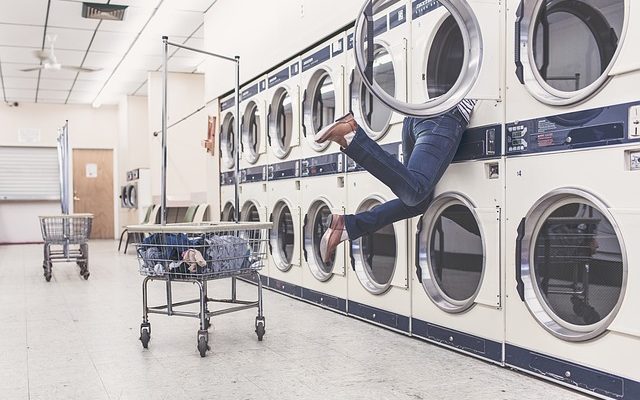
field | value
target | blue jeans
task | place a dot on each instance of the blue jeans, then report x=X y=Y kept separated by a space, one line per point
x=428 y=147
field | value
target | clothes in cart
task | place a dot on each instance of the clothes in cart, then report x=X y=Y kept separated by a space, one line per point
x=178 y=253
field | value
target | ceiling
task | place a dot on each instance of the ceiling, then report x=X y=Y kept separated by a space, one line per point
x=125 y=50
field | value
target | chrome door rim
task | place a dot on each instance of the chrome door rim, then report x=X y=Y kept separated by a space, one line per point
x=536 y=305
x=357 y=104
x=253 y=155
x=364 y=276
x=227 y=158
x=312 y=86
x=473 y=44
x=309 y=242
x=534 y=82
x=282 y=264
x=429 y=284
x=278 y=95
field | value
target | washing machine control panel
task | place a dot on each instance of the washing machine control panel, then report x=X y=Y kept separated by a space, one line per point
x=227 y=178
x=284 y=170
x=322 y=165
x=480 y=143
x=254 y=174
x=395 y=149
x=583 y=129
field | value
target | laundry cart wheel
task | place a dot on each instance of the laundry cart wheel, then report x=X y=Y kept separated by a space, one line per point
x=203 y=343
x=145 y=334
x=260 y=329
x=47 y=271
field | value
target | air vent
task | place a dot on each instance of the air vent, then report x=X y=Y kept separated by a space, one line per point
x=109 y=12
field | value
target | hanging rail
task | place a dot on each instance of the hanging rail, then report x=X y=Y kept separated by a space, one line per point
x=236 y=60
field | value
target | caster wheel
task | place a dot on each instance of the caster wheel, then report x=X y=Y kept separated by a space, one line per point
x=260 y=328
x=86 y=275
x=47 y=277
x=203 y=346
x=145 y=334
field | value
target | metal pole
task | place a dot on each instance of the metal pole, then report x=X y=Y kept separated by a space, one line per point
x=236 y=215
x=163 y=186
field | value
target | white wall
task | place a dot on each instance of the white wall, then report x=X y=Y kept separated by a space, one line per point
x=89 y=128
x=256 y=31
x=187 y=159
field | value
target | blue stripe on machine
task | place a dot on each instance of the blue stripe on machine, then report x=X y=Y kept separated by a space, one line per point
x=285 y=287
x=284 y=170
x=462 y=341
x=571 y=374
x=254 y=174
x=350 y=40
x=337 y=48
x=324 y=299
x=380 y=26
x=227 y=104
x=227 y=178
x=316 y=58
x=263 y=85
x=398 y=17
x=322 y=165
x=279 y=77
x=424 y=7
x=249 y=92
x=382 y=317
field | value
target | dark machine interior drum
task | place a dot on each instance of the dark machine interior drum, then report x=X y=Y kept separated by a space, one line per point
x=578 y=264
x=285 y=236
x=456 y=253
x=574 y=41
x=319 y=227
x=284 y=121
x=324 y=103
x=446 y=57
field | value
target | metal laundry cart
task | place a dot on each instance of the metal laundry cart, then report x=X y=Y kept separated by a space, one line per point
x=65 y=240
x=198 y=253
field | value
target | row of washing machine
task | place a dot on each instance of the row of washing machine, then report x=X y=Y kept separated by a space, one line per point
x=526 y=256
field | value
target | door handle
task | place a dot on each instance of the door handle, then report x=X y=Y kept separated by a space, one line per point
x=75 y=196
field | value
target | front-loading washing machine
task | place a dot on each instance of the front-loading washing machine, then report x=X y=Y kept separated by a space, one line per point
x=283 y=112
x=322 y=194
x=572 y=131
x=456 y=288
x=378 y=275
x=323 y=97
x=253 y=203
x=573 y=221
x=227 y=134
x=285 y=238
x=390 y=69
x=253 y=125
x=227 y=196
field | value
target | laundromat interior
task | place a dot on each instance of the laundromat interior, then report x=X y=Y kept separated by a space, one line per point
x=305 y=199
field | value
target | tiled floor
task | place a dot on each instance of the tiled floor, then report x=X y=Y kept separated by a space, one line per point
x=76 y=339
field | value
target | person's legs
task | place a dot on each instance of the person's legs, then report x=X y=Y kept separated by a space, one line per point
x=430 y=144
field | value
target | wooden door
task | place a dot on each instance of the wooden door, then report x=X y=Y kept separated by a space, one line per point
x=93 y=189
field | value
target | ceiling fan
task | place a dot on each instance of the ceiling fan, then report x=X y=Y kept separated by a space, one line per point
x=49 y=61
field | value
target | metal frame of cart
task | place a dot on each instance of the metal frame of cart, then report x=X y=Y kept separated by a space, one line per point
x=256 y=255
x=253 y=235
x=69 y=234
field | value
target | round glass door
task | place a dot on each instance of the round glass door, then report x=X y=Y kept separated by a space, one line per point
x=319 y=106
x=251 y=131
x=124 y=200
x=281 y=123
x=375 y=255
x=132 y=196
x=451 y=253
x=571 y=47
x=315 y=225
x=283 y=236
x=228 y=213
x=449 y=62
x=575 y=264
x=375 y=115
x=250 y=212
x=227 y=138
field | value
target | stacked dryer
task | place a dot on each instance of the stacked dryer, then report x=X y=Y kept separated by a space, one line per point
x=322 y=170
x=457 y=299
x=227 y=158
x=573 y=217
x=379 y=282
x=283 y=197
